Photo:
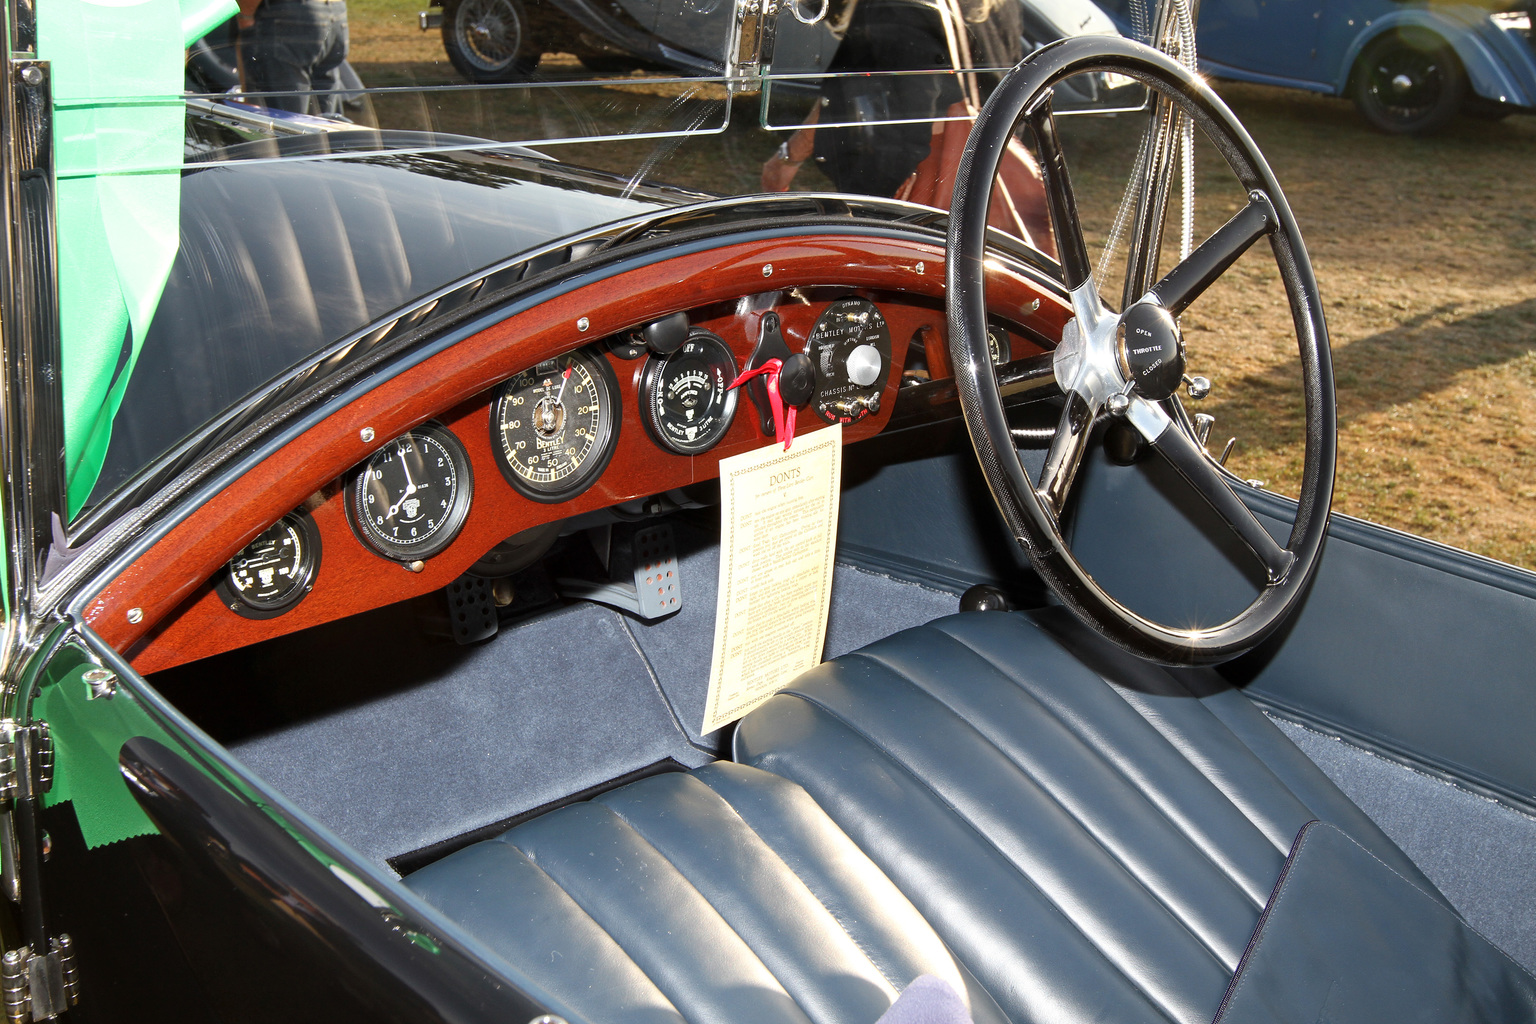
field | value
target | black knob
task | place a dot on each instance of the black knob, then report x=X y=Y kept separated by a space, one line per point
x=984 y=597
x=666 y=335
x=797 y=380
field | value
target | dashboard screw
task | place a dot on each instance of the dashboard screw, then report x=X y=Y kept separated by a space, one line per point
x=583 y=324
x=416 y=566
x=922 y=268
x=366 y=434
x=135 y=616
x=1033 y=305
x=767 y=269
x=32 y=76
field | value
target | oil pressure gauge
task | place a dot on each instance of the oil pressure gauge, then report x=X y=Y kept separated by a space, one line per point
x=684 y=403
x=273 y=572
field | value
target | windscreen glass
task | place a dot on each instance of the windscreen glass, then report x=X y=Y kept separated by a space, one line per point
x=246 y=199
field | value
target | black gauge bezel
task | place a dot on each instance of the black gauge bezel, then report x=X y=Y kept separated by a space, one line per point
x=654 y=373
x=458 y=512
x=602 y=449
x=309 y=565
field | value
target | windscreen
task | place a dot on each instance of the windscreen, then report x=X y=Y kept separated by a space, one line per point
x=244 y=192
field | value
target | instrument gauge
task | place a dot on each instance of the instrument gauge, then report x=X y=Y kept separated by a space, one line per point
x=999 y=347
x=555 y=426
x=684 y=401
x=411 y=498
x=273 y=572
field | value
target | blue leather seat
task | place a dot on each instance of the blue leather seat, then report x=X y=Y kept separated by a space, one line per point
x=1062 y=831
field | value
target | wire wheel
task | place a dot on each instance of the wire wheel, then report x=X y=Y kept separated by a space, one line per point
x=1408 y=82
x=489 y=40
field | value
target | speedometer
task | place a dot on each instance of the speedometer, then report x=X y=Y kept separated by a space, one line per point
x=683 y=398
x=555 y=426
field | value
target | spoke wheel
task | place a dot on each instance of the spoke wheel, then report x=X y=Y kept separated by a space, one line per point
x=1408 y=82
x=1129 y=363
x=489 y=40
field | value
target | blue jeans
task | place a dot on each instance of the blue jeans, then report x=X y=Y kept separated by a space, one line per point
x=297 y=46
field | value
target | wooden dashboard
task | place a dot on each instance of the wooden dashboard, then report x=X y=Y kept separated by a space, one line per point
x=164 y=610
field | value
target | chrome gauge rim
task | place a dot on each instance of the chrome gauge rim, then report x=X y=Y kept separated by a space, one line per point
x=554 y=427
x=411 y=498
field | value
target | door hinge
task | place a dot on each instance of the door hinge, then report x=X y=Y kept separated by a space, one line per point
x=39 y=987
x=21 y=747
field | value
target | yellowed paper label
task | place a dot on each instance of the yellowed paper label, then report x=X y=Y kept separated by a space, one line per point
x=778 y=533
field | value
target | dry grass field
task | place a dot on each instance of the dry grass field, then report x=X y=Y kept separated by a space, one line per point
x=1425 y=251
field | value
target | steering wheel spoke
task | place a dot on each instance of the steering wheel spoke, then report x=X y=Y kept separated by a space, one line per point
x=1066 y=453
x=1065 y=224
x=1195 y=466
x=1199 y=270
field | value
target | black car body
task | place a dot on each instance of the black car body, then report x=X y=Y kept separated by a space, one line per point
x=231 y=796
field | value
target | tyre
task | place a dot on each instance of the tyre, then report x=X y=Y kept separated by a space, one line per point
x=489 y=40
x=1408 y=81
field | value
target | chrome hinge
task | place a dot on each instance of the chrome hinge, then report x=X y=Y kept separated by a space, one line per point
x=751 y=44
x=20 y=746
x=38 y=988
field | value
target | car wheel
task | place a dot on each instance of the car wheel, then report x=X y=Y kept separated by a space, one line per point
x=489 y=40
x=1408 y=81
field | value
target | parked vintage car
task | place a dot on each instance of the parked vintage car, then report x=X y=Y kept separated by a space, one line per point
x=363 y=540
x=504 y=40
x=1409 y=66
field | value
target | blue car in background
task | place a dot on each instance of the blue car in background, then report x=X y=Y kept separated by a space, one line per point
x=1409 y=67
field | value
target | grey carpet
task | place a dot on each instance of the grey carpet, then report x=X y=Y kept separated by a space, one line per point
x=1481 y=853
x=557 y=705
x=866 y=606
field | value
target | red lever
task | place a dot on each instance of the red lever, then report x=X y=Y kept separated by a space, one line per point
x=783 y=418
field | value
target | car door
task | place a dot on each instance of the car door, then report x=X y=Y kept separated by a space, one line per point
x=1269 y=37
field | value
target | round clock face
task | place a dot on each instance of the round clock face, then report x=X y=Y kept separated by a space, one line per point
x=555 y=426
x=273 y=572
x=411 y=498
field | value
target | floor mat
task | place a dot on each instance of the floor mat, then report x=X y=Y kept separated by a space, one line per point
x=1480 y=853
x=510 y=728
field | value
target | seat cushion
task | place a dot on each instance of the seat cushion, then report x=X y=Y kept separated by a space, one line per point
x=720 y=895
x=1060 y=831
x=1094 y=837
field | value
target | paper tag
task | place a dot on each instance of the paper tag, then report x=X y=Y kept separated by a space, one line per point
x=778 y=535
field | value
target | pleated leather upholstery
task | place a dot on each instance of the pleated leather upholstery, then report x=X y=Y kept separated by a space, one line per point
x=724 y=895
x=1090 y=850
x=1065 y=833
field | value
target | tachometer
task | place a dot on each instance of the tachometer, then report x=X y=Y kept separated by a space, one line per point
x=683 y=398
x=555 y=426
x=410 y=499
x=273 y=572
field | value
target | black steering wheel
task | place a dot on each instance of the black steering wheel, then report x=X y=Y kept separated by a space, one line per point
x=1129 y=364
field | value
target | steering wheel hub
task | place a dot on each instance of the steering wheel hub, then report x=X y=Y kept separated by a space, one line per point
x=1151 y=350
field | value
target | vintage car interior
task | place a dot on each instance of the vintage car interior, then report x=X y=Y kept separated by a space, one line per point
x=1103 y=733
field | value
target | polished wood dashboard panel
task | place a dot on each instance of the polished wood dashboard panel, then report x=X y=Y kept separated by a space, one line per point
x=165 y=612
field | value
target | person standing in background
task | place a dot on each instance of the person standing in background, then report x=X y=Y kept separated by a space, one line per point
x=294 y=47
